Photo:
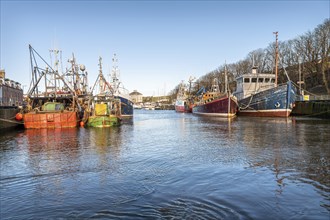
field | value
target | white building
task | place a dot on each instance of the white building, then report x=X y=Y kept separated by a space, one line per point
x=136 y=96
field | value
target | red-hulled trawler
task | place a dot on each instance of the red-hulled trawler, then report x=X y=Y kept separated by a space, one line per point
x=60 y=104
x=215 y=103
x=184 y=100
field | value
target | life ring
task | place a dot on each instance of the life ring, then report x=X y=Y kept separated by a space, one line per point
x=277 y=104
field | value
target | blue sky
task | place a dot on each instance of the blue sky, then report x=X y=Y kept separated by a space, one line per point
x=158 y=43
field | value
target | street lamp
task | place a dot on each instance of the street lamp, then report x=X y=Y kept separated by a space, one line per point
x=299 y=71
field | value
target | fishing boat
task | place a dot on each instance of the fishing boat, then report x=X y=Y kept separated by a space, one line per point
x=105 y=112
x=51 y=115
x=216 y=103
x=120 y=91
x=53 y=103
x=11 y=99
x=149 y=106
x=184 y=102
x=259 y=94
x=137 y=106
x=105 y=109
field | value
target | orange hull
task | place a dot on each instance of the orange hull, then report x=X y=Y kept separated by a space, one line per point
x=50 y=120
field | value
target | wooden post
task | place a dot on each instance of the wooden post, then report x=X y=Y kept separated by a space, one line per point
x=227 y=90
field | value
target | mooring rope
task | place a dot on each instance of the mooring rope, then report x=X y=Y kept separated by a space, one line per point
x=11 y=121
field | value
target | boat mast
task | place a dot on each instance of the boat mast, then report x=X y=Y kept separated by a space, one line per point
x=101 y=76
x=38 y=74
x=51 y=84
x=276 y=56
x=227 y=89
x=114 y=76
x=101 y=83
x=226 y=80
x=190 y=81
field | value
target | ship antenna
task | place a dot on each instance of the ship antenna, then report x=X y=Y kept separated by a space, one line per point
x=115 y=72
x=100 y=65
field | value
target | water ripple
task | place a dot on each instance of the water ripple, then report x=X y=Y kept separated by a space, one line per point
x=178 y=208
x=164 y=165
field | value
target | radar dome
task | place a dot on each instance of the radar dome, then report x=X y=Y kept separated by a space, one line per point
x=82 y=67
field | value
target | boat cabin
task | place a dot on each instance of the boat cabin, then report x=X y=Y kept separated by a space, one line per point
x=252 y=83
x=103 y=105
x=214 y=93
x=53 y=106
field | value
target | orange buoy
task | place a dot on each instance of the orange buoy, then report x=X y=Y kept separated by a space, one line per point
x=82 y=124
x=19 y=117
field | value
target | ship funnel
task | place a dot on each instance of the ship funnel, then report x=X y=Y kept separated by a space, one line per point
x=254 y=70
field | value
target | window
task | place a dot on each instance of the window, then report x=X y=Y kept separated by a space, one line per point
x=254 y=80
x=267 y=80
x=260 y=80
x=273 y=80
x=246 y=80
x=58 y=107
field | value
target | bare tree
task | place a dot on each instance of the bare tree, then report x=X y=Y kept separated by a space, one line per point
x=322 y=41
x=311 y=49
x=242 y=67
x=257 y=58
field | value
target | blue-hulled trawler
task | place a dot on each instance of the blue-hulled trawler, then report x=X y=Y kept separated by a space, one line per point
x=258 y=94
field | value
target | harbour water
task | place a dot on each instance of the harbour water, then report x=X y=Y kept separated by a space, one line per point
x=167 y=165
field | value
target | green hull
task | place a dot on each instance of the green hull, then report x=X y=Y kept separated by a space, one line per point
x=103 y=121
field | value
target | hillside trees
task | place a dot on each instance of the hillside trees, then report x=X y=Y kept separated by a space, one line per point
x=311 y=50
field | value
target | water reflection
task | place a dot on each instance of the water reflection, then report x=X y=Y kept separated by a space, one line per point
x=105 y=145
x=105 y=137
x=293 y=150
x=219 y=124
x=49 y=140
x=52 y=153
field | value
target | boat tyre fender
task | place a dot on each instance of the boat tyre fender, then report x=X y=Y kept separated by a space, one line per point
x=292 y=105
x=277 y=104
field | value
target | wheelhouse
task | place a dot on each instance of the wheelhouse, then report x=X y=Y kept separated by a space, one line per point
x=254 y=82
